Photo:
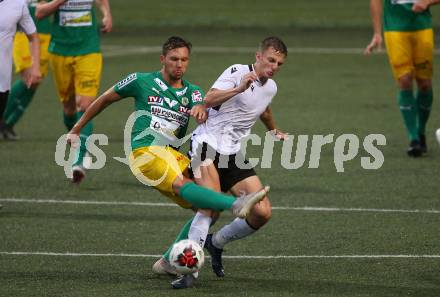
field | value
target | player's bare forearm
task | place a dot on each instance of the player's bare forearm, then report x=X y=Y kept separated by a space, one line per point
x=376 y=10
x=109 y=97
x=107 y=20
x=45 y=9
x=34 y=75
x=216 y=97
x=267 y=118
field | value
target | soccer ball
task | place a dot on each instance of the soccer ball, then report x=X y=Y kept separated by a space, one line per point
x=187 y=256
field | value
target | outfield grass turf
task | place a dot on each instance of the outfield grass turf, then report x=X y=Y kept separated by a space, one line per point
x=317 y=94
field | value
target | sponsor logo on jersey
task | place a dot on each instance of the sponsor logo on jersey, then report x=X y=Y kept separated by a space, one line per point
x=233 y=69
x=184 y=109
x=155 y=100
x=185 y=101
x=181 y=93
x=252 y=88
x=196 y=96
x=403 y=1
x=75 y=18
x=127 y=80
x=161 y=84
x=77 y=5
x=170 y=102
x=169 y=115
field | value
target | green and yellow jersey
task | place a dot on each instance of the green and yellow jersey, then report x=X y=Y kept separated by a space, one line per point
x=75 y=31
x=398 y=16
x=165 y=109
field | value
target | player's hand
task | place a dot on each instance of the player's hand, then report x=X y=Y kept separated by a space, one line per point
x=376 y=43
x=246 y=81
x=420 y=6
x=280 y=134
x=32 y=77
x=107 y=24
x=199 y=113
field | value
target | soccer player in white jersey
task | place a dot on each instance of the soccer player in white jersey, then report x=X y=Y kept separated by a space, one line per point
x=241 y=95
x=13 y=13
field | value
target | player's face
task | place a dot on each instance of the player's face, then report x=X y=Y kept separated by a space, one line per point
x=269 y=62
x=175 y=62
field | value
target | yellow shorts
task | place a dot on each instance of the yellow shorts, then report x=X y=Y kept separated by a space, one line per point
x=159 y=166
x=22 y=53
x=79 y=75
x=411 y=52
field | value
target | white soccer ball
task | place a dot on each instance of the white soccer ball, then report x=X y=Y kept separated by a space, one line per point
x=187 y=256
x=437 y=135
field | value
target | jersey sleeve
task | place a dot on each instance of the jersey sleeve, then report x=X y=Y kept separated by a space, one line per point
x=128 y=86
x=26 y=23
x=197 y=96
x=230 y=78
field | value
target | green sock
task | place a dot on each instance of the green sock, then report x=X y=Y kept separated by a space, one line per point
x=201 y=197
x=85 y=132
x=69 y=121
x=182 y=235
x=408 y=109
x=19 y=98
x=424 y=103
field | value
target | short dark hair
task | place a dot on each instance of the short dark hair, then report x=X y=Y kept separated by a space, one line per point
x=175 y=42
x=274 y=42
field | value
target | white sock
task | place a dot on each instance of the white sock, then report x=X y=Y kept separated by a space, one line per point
x=199 y=228
x=237 y=229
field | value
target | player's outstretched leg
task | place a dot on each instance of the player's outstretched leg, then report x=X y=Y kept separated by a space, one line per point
x=204 y=198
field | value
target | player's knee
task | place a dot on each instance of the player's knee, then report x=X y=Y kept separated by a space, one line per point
x=82 y=105
x=69 y=110
x=406 y=82
x=424 y=85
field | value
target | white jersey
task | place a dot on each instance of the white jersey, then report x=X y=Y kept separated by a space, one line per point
x=230 y=122
x=12 y=13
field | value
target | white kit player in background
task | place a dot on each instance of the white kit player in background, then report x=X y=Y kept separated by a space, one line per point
x=241 y=95
x=15 y=13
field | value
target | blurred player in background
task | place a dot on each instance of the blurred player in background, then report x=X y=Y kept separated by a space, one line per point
x=409 y=40
x=16 y=13
x=20 y=95
x=76 y=60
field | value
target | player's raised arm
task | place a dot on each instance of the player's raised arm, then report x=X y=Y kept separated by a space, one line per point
x=376 y=11
x=216 y=97
x=45 y=9
x=109 y=97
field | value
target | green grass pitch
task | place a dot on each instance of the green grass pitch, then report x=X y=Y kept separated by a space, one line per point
x=318 y=93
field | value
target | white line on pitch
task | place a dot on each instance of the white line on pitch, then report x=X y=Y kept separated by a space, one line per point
x=119 y=50
x=69 y=254
x=151 y=204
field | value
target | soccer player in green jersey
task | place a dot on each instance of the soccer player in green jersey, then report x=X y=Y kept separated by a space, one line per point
x=20 y=95
x=409 y=41
x=164 y=102
x=76 y=60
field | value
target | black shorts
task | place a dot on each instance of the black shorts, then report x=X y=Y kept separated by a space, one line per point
x=226 y=165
